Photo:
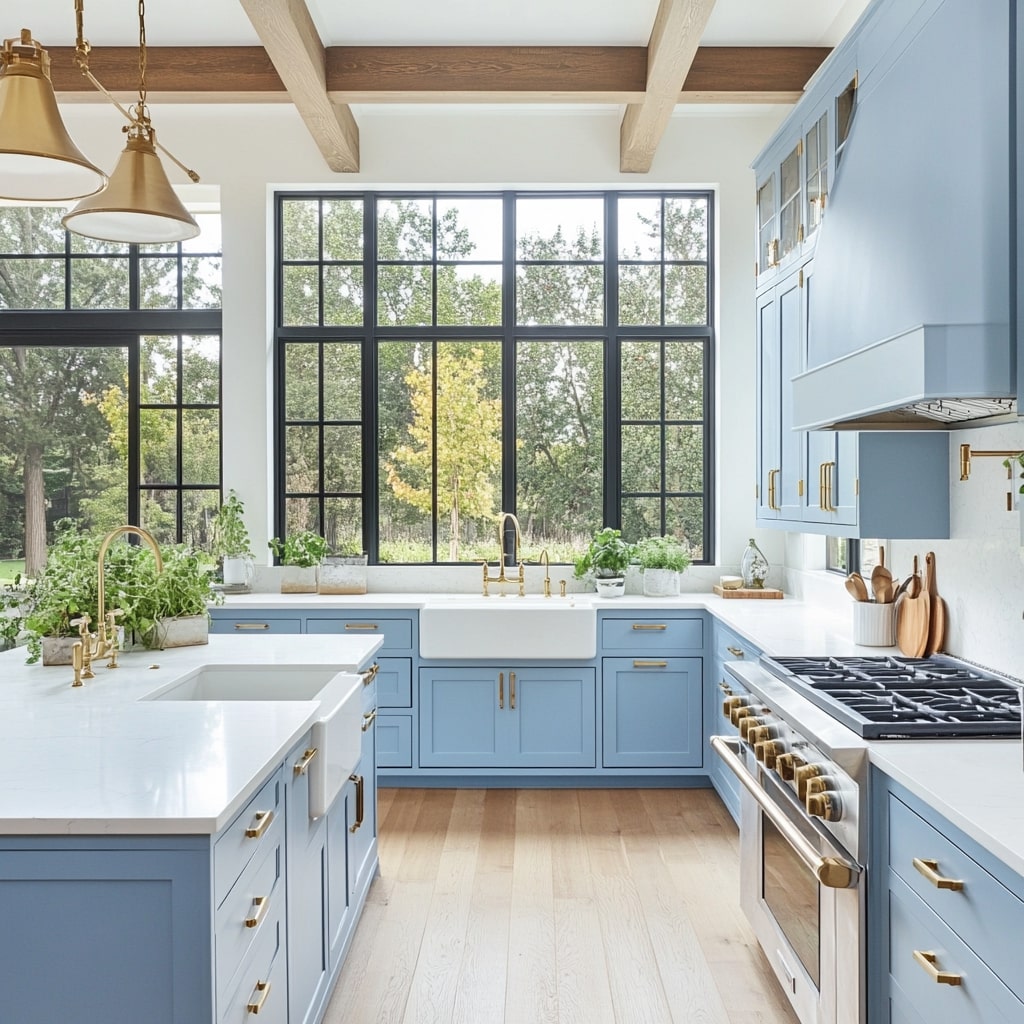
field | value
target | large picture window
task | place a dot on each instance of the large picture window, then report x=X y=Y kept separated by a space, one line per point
x=443 y=357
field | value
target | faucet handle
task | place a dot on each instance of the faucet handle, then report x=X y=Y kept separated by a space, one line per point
x=561 y=588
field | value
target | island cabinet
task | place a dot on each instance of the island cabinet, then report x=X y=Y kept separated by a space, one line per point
x=946 y=919
x=512 y=717
x=652 y=673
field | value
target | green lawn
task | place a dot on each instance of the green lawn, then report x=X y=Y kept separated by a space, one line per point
x=10 y=567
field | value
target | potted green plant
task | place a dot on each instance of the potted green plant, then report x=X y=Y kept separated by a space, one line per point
x=606 y=559
x=181 y=594
x=231 y=544
x=300 y=554
x=661 y=560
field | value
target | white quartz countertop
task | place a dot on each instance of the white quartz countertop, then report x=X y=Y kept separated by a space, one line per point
x=102 y=760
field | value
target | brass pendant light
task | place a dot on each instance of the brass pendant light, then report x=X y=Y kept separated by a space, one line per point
x=38 y=159
x=139 y=204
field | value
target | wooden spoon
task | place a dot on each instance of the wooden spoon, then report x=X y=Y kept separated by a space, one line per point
x=881 y=579
x=937 y=610
x=856 y=587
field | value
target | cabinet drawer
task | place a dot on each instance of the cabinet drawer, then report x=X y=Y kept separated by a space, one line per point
x=652 y=633
x=250 y=907
x=983 y=913
x=394 y=741
x=262 y=980
x=394 y=683
x=263 y=815
x=397 y=632
x=257 y=625
x=980 y=998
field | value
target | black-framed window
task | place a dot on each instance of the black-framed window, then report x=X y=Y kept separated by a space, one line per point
x=538 y=352
x=110 y=375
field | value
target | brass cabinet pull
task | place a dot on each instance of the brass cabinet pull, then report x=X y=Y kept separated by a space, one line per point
x=736 y=652
x=930 y=870
x=252 y=625
x=260 y=906
x=501 y=691
x=512 y=690
x=649 y=664
x=368 y=718
x=258 y=997
x=261 y=822
x=773 y=503
x=358 y=780
x=829 y=483
x=821 y=486
x=650 y=625
x=361 y=625
x=300 y=766
x=927 y=959
x=370 y=674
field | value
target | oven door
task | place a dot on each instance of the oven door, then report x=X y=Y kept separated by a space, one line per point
x=803 y=895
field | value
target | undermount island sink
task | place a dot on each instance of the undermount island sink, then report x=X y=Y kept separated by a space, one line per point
x=337 y=728
x=460 y=626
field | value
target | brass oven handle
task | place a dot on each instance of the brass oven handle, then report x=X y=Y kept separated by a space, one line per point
x=927 y=959
x=258 y=997
x=303 y=763
x=261 y=822
x=930 y=870
x=260 y=906
x=832 y=872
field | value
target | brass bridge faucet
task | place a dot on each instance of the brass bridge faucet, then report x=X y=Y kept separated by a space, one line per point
x=103 y=645
x=503 y=518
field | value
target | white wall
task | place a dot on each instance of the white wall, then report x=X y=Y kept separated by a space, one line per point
x=250 y=150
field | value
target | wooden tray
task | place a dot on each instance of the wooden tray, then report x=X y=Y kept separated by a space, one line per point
x=766 y=594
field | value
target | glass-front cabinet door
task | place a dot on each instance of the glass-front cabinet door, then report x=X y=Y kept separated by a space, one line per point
x=790 y=228
x=816 y=173
x=767 y=240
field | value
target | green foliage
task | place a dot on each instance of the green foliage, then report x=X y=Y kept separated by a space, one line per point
x=662 y=553
x=1019 y=459
x=606 y=555
x=230 y=536
x=303 y=548
x=183 y=588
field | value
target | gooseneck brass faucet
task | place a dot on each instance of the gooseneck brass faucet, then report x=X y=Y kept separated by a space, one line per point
x=504 y=518
x=103 y=645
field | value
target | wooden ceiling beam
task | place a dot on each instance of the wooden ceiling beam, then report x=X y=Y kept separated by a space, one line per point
x=292 y=42
x=440 y=74
x=678 y=26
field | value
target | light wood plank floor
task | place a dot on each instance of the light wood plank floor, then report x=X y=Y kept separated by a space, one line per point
x=563 y=906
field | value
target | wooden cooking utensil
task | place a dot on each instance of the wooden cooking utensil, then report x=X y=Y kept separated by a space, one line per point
x=936 y=610
x=881 y=579
x=912 y=618
x=856 y=587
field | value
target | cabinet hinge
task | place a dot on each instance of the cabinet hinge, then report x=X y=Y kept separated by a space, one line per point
x=800 y=488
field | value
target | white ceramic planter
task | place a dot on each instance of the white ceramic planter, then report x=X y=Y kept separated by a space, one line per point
x=238 y=572
x=610 y=586
x=183 y=631
x=345 y=574
x=661 y=583
x=57 y=649
x=298 y=579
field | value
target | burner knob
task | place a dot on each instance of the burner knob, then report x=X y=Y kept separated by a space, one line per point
x=825 y=805
x=803 y=775
x=739 y=712
x=731 y=704
x=747 y=723
x=787 y=764
x=759 y=733
x=768 y=752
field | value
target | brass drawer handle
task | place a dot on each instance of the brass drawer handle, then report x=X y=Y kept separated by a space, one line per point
x=930 y=870
x=300 y=766
x=736 y=652
x=512 y=690
x=370 y=674
x=361 y=625
x=260 y=824
x=927 y=960
x=650 y=625
x=368 y=719
x=260 y=904
x=501 y=691
x=258 y=997
x=650 y=664
x=358 y=780
x=252 y=625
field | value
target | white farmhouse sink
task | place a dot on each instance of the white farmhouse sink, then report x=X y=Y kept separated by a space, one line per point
x=337 y=728
x=508 y=627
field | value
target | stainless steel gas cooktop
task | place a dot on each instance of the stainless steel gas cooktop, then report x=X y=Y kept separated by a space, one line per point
x=893 y=697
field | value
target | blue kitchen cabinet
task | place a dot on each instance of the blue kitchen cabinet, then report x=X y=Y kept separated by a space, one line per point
x=944 y=914
x=515 y=717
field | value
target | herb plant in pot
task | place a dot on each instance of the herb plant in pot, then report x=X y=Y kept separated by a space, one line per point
x=231 y=544
x=300 y=554
x=606 y=559
x=180 y=597
x=661 y=560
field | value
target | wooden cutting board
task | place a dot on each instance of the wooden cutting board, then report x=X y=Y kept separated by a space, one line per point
x=912 y=624
x=764 y=594
x=936 y=610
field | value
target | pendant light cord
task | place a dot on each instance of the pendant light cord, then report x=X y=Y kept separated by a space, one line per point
x=138 y=120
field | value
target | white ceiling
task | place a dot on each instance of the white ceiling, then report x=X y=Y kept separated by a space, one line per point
x=453 y=22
